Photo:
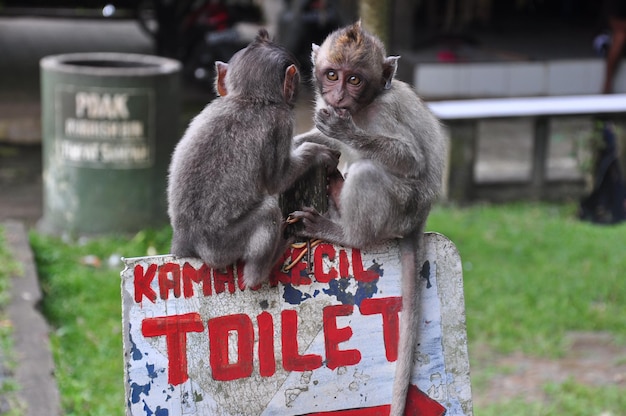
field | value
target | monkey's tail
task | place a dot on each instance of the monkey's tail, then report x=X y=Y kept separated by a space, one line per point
x=409 y=318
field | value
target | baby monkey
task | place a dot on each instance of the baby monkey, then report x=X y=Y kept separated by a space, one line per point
x=394 y=151
x=234 y=160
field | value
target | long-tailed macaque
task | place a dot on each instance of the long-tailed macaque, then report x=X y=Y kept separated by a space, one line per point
x=394 y=151
x=234 y=160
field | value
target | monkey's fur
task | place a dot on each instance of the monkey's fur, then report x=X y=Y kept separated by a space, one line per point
x=233 y=161
x=394 y=151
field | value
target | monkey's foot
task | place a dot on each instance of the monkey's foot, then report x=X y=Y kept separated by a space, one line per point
x=307 y=215
x=318 y=226
x=253 y=282
x=291 y=220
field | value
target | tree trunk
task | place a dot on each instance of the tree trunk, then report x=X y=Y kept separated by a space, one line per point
x=375 y=16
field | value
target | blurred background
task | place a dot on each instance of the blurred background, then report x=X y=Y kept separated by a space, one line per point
x=422 y=31
x=450 y=50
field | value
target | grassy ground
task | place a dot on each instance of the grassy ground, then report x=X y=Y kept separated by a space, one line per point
x=9 y=402
x=81 y=285
x=532 y=273
x=567 y=398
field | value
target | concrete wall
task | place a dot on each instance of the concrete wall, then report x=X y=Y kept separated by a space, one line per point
x=512 y=79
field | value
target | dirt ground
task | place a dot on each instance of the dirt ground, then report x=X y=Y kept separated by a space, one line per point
x=593 y=358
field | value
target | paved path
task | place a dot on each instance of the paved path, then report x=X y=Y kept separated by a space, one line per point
x=34 y=370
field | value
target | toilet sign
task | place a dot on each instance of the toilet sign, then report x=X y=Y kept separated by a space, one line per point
x=320 y=338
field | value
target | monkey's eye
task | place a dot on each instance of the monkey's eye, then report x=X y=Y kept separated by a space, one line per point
x=332 y=75
x=354 y=80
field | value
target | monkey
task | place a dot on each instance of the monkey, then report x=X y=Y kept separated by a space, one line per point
x=234 y=160
x=394 y=151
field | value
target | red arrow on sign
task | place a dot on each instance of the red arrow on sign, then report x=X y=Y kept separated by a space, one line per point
x=417 y=404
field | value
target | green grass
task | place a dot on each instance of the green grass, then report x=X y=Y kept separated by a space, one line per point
x=569 y=399
x=532 y=273
x=8 y=386
x=83 y=304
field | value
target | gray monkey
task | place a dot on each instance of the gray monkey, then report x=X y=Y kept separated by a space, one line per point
x=394 y=150
x=234 y=160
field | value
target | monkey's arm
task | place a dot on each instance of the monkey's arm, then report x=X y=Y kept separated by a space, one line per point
x=316 y=136
x=301 y=158
x=393 y=151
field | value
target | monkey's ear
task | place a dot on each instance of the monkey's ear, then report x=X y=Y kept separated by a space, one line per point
x=292 y=80
x=390 y=66
x=220 y=79
x=314 y=50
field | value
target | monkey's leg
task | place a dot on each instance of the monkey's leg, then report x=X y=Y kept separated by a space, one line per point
x=182 y=245
x=261 y=257
x=334 y=186
x=370 y=211
x=264 y=246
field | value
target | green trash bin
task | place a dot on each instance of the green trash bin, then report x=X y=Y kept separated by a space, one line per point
x=110 y=123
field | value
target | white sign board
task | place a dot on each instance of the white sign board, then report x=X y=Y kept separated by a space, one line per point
x=320 y=338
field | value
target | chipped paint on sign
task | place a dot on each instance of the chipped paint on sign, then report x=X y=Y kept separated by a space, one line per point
x=196 y=343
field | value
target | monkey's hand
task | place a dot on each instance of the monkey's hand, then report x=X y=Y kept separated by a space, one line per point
x=323 y=155
x=335 y=122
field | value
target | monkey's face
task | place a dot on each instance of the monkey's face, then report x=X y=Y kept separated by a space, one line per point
x=344 y=86
x=341 y=87
x=349 y=69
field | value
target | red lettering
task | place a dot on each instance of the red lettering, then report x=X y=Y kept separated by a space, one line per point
x=219 y=328
x=388 y=308
x=278 y=275
x=299 y=275
x=166 y=284
x=202 y=276
x=322 y=250
x=360 y=274
x=223 y=279
x=240 y=283
x=343 y=264
x=333 y=336
x=142 y=283
x=175 y=329
x=267 y=361
x=292 y=360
